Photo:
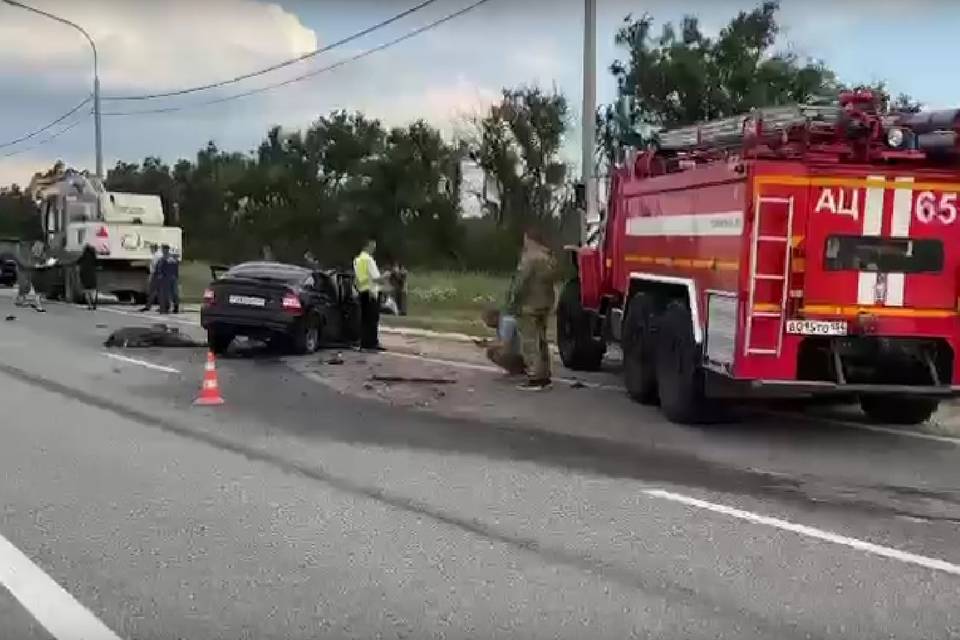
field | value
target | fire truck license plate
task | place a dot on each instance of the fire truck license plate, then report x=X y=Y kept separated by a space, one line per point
x=248 y=301
x=817 y=327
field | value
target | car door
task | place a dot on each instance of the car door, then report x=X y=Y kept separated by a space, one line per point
x=323 y=300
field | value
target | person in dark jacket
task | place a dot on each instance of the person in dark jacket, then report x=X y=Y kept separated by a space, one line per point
x=87 y=268
x=168 y=281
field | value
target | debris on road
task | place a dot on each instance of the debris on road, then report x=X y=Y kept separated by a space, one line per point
x=337 y=359
x=403 y=379
x=10 y=318
x=159 y=335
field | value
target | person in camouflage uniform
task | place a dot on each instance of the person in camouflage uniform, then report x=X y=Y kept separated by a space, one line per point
x=532 y=298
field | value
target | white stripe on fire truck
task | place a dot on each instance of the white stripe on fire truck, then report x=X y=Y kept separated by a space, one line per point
x=872 y=226
x=899 y=228
x=724 y=223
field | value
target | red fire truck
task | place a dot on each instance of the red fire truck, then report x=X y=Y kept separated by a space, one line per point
x=794 y=250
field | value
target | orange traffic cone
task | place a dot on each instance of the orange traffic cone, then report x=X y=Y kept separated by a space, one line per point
x=210 y=390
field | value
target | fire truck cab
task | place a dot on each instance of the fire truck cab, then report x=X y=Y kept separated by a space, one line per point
x=799 y=250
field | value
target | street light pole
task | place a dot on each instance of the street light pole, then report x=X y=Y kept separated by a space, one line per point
x=588 y=141
x=96 y=77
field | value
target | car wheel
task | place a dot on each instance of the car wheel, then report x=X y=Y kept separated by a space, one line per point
x=219 y=341
x=306 y=338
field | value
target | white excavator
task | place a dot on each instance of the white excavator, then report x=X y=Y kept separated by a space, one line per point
x=76 y=210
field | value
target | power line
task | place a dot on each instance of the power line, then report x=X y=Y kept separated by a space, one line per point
x=310 y=74
x=50 y=125
x=49 y=138
x=280 y=65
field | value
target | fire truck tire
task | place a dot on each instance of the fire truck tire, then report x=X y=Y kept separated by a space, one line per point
x=579 y=349
x=639 y=354
x=680 y=379
x=898 y=409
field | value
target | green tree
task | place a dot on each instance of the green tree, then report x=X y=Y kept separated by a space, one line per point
x=518 y=144
x=682 y=77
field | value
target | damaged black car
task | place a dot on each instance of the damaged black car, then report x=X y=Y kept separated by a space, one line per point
x=288 y=306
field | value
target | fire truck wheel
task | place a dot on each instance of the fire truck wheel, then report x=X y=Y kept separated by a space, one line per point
x=639 y=356
x=680 y=378
x=579 y=349
x=898 y=409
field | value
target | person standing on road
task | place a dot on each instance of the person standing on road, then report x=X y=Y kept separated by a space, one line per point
x=368 y=280
x=152 y=294
x=398 y=287
x=28 y=260
x=532 y=295
x=168 y=281
x=87 y=267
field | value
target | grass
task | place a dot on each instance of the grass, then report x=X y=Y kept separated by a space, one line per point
x=194 y=278
x=447 y=301
x=450 y=301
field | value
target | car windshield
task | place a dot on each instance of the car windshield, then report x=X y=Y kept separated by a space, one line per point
x=289 y=274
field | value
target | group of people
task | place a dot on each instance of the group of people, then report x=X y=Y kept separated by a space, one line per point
x=521 y=346
x=164 y=285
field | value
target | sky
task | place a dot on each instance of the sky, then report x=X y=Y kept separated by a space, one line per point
x=443 y=75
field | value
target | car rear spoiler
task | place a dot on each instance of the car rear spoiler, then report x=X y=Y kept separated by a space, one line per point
x=217 y=269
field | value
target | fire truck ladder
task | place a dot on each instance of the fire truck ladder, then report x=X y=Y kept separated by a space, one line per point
x=785 y=241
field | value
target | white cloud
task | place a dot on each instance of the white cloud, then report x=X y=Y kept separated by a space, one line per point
x=152 y=45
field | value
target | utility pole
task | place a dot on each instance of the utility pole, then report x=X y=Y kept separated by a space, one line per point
x=98 y=140
x=589 y=111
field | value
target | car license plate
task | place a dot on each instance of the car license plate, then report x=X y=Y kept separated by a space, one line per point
x=249 y=301
x=817 y=327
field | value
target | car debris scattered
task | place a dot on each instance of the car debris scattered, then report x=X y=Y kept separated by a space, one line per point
x=158 y=335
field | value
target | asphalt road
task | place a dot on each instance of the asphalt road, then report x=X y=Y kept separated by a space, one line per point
x=294 y=511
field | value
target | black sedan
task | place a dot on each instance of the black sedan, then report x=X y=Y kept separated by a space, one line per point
x=299 y=308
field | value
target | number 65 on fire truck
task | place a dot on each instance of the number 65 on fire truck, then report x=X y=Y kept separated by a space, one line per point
x=793 y=250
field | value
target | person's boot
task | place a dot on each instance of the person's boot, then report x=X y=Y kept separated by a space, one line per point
x=535 y=385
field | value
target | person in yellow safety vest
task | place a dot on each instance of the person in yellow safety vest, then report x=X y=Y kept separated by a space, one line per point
x=368 y=281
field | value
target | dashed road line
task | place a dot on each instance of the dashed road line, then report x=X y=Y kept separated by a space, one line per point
x=141 y=363
x=810 y=532
x=49 y=603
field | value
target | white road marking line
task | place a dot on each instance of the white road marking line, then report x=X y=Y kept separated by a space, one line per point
x=142 y=363
x=158 y=319
x=59 y=613
x=491 y=369
x=810 y=532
